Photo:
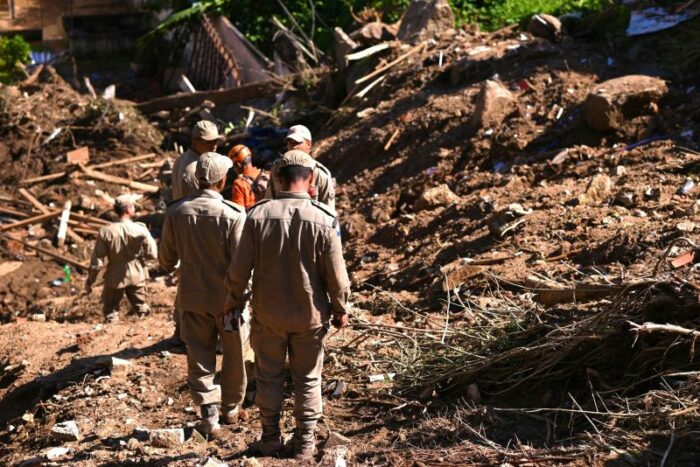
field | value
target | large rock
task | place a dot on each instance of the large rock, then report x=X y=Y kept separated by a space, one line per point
x=373 y=33
x=493 y=104
x=440 y=195
x=425 y=19
x=66 y=431
x=612 y=102
x=546 y=26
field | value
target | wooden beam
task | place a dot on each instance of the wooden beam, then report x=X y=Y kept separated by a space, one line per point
x=389 y=65
x=89 y=219
x=90 y=173
x=31 y=220
x=43 y=209
x=64 y=259
x=255 y=90
x=57 y=175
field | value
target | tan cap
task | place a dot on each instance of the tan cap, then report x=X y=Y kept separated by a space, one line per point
x=297 y=157
x=211 y=167
x=206 y=130
x=299 y=133
x=126 y=199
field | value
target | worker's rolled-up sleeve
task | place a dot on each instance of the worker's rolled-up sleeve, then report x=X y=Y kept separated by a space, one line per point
x=167 y=251
x=240 y=268
x=97 y=260
x=336 y=275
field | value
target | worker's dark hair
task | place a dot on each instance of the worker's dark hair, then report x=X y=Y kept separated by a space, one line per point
x=293 y=173
x=121 y=209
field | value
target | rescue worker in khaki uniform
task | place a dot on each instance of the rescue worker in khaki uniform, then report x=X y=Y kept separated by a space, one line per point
x=205 y=138
x=322 y=186
x=123 y=246
x=203 y=232
x=292 y=245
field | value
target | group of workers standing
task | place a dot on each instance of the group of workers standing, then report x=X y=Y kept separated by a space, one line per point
x=266 y=265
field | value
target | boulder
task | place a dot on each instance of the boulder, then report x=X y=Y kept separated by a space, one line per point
x=546 y=26
x=373 y=33
x=440 y=195
x=66 y=431
x=167 y=437
x=493 y=104
x=425 y=19
x=611 y=103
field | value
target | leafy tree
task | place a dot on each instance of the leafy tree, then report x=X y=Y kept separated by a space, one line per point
x=12 y=50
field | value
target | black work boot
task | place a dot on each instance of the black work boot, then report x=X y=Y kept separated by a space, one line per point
x=270 y=442
x=304 y=441
x=209 y=425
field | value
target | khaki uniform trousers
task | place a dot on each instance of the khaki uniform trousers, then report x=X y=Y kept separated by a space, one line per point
x=200 y=331
x=305 y=363
x=136 y=294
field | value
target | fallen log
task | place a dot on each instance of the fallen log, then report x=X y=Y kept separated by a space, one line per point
x=256 y=90
x=43 y=209
x=63 y=258
x=90 y=173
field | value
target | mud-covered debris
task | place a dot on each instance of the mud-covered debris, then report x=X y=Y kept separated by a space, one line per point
x=546 y=26
x=620 y=170
x=493 y=104
x=652 y=194
x=133 y=444
x=612 y=102
x=426 y=19
x=627 y=199
x=507 y=220
x=598 y=191
x=66 y=431
x=57 y=452
x=336 y=456
x=167 y=437
x=686 y=227
x=340 y=388
x=39 y=317
x=251 y=462
x=440 y=195
x=473 y=392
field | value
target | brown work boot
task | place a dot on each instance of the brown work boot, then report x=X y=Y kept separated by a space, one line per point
x=209 y=425
x=270 y=442
x=230 y=414
x=304 y=443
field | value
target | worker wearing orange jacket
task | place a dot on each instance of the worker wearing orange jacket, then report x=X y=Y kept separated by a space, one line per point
x=244 y=190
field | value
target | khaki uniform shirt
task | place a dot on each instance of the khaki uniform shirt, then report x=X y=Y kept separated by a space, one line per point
x=123 y=246
x=203 y=233
x=323 y=180
x=184 y=181
x=293 y=245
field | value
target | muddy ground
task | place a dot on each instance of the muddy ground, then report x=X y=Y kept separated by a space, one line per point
x=605 y=206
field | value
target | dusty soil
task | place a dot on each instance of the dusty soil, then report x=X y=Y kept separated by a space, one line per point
x=410 y=263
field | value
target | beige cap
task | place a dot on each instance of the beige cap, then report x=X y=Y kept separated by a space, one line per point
x=126 y=199
x=299 y=133
x=211 y=167
x=206 y=130
x=297 y=157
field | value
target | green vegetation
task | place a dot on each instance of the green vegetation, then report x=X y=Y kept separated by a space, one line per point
x=12 y=50
x=317 y=18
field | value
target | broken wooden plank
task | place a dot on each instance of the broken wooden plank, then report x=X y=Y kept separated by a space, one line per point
x=90 y=173
x=369 y=51
x=63 y=258
x=392 y=64
x=256 y=90
x=89 y=219
x=12 y=212
x=63 y=225
x=31 y=220
x=43 y=209
x=57 y=175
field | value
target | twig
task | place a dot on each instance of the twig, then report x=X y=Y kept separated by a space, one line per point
x=653 y=327
x=668 y=449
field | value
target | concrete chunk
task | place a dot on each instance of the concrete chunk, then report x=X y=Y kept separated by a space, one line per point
x=66 y=431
